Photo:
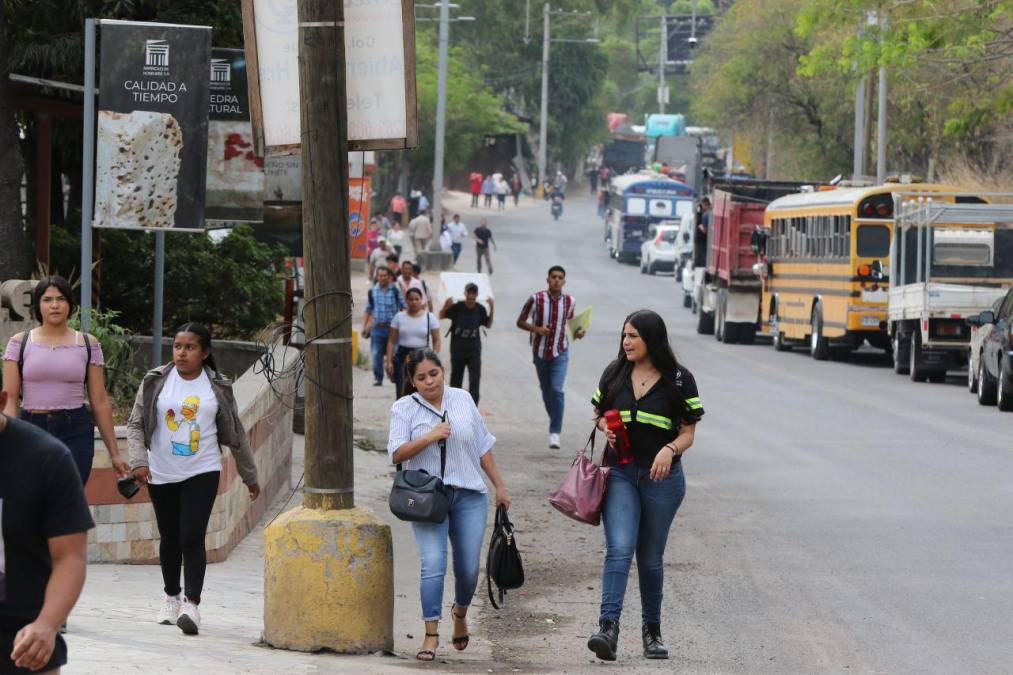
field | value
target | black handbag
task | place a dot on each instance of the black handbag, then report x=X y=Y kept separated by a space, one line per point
x=503 y=566
x=417 y=496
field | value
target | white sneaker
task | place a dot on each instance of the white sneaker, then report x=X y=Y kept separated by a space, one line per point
x=554 y=441
x=170 y=610
x=189 y=618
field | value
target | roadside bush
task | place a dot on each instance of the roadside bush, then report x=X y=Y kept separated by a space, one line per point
x=232 y=286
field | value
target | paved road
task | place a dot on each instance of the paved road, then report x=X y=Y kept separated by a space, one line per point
x=838 y=517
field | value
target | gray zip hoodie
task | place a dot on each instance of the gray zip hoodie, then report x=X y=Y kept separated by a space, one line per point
x=143 y=420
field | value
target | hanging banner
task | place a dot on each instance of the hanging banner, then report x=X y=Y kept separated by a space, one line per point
x=379 y=64
x=235 y=178
x=151 y=152
x=358 y=216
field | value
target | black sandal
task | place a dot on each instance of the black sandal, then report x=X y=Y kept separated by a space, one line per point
x=428 y=654
x=460 y=643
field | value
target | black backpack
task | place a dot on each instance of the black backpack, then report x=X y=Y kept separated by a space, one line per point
x=503 y=566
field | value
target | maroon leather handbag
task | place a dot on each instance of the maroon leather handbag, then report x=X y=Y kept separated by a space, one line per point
x=582 y=492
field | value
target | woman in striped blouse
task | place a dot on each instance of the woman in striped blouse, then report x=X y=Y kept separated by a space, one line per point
x=430 y=412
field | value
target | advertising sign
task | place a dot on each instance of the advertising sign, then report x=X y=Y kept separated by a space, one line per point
x=151 y=152
x=235 y=174
x=358 y=216
x=380 y=73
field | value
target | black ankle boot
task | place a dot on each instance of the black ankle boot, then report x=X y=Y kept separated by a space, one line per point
x=654 y=648
x=605 y=642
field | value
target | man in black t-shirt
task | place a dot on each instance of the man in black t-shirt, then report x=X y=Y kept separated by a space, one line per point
x=467 y=320
x=483 y=237
x=44 y=520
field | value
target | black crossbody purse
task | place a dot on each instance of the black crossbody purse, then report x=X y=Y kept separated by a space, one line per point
x=417 y=495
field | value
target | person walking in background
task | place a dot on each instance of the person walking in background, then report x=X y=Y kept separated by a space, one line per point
x=412 y=328
x=475 y=184
x=427 y=298
x=397 y=207
x=44 y=520
x=658 y=400
x=421 y=231
x=429 y=415
x=592 y=178
x=184 y=412
x=488 y=188
x=407 y=280
x=377 y=257
x=396 y=238
x=423 y=202
x=50 y=367
x=483 y=238
x=458 y=235
x=382 y=304
x=502 y=190
x=515 y=188
x=446 y=239
x=467 y=318
x=372 y=234
x=394 y=265
x=544 y=315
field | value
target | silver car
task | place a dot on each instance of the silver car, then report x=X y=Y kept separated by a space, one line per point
x=979 y=333
x=658 y=251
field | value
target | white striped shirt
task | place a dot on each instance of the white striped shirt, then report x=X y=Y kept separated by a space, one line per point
x=544 y=310
x=413 y=416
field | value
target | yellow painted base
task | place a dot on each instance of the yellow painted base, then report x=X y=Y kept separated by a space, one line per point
x=329 y=582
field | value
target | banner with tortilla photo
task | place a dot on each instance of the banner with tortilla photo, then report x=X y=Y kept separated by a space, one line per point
x=151 y=152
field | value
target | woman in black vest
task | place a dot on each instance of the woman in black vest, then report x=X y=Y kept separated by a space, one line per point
x=659 y=404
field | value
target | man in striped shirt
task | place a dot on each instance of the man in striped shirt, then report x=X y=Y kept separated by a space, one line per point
x=544 y=316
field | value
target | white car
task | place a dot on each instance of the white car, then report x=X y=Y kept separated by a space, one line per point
x=658 y=251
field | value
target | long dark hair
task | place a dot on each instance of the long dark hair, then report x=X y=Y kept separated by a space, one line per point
x=655 y=335
x=411 y=364
x=203 y=338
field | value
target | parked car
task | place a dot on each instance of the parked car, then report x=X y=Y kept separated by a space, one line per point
x=995 y=367
x=978 y=334
x=658 y=251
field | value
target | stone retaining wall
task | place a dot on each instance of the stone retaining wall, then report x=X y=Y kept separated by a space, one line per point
x=125 y=530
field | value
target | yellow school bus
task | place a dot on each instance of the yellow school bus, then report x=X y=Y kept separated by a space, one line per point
x=825 y=273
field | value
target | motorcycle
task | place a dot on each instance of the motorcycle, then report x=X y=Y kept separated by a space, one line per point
x=557 y=206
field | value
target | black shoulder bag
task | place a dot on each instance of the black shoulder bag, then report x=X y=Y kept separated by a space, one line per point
x=503 y=566
x=418 y=496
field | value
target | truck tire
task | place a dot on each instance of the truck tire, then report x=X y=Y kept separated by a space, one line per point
x=747 y=333
x=704 y=322
x=687 y=301
x=917 y=372
x=819 y=345
x=1004 y=390
x=987 y=387
x=901 y=358
x=972 y=375
x=731 y=333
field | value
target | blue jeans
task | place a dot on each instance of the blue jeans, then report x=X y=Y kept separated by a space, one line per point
x=551 y=377
x=456 y=249
x=465 y=527
x=638 y=513
x=75 y=429
x=378 y=347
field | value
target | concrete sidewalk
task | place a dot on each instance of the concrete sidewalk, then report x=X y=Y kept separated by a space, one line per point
x=113 y=627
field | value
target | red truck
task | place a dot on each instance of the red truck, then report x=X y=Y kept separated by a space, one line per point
x=727 y=292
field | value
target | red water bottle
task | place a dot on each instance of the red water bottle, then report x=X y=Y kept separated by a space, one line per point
x=614 y=421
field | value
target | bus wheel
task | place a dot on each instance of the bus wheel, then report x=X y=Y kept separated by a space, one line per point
x=819 y=345
x=900 y=353
x=779 y=342
x=917 y=372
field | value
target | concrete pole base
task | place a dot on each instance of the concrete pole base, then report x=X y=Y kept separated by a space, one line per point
x=436 y=260
x=329 y=582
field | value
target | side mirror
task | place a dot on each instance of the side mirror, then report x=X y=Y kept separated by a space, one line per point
x=987 y=317
x=973 y=320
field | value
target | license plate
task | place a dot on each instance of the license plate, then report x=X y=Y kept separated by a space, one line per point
x=875 y=296
x=870 y=321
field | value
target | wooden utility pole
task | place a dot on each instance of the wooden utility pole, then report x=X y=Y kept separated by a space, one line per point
x=329 y=473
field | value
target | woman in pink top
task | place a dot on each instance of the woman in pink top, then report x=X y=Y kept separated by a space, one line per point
x=49 y=367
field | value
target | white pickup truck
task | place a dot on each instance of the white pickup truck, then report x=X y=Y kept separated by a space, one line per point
x=951 y=257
